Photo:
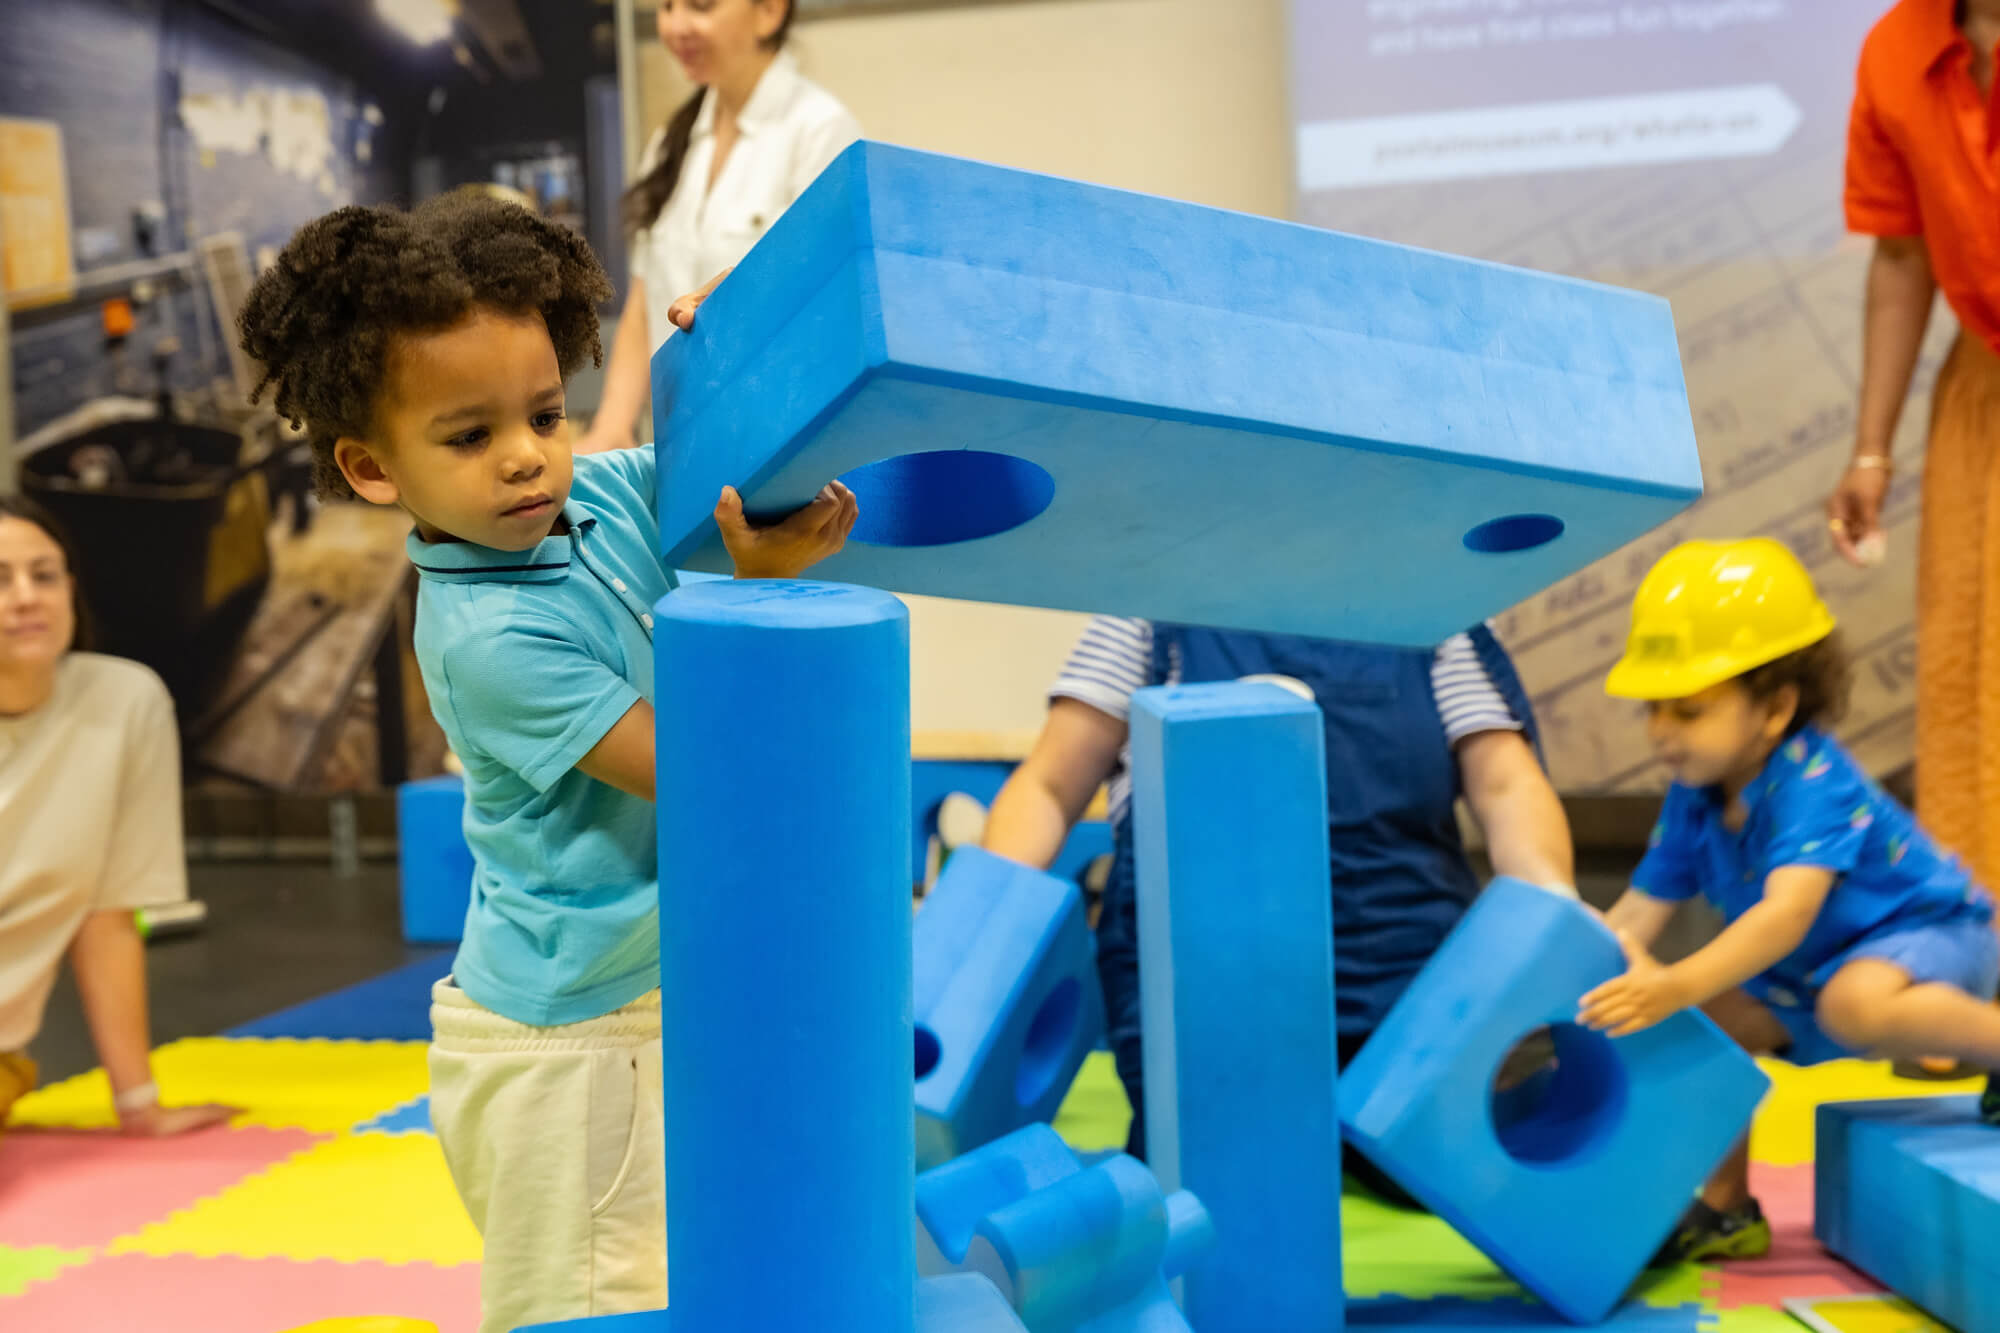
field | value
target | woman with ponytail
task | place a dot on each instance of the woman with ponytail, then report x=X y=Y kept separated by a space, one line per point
x=735 y=155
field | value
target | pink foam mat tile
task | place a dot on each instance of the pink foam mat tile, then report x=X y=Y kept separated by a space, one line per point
x=1797 y=1266
x=182 y=1294
x=77 y=1189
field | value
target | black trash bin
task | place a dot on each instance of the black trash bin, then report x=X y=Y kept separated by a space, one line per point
x=172 y=541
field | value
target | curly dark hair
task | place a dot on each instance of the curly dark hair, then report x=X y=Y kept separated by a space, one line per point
x=1822 y=673
x=322 y=319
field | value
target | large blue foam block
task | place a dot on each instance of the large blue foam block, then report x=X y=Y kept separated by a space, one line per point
x=1609 y=1144
x=1006 y=999
x=1113 y=402
x=784 y=806
x=1909 y=1192
x=1236 y=977
x=435 y=863
x=1074 y=1249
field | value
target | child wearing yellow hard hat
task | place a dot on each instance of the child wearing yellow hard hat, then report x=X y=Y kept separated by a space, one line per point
x=1849 y=931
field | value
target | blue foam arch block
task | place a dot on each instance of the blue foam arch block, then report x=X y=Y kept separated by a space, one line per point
x=1073 y=1249
x=1236 y=977
x=433 y=859
x=1908 y=1191
x=1006 y=1000
x=1612 y=1145
x=1113 y=402
x=785 y=956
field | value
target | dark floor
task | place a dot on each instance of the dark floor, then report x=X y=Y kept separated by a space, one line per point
x=282 y=932
x=277 y=933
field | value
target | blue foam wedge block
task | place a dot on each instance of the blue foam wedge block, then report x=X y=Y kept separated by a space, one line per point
x=1615 y=1140
x=785 y=957
x=435 y=863
x=1006 y=1000
x=1107 y=401
x=1908 y=1191
x=1236 y=976
x=1074 y=1249
x=395 y=1006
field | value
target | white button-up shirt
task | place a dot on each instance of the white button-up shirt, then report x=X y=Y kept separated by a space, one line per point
x=787 y=133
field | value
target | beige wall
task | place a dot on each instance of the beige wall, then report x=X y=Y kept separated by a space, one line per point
x=1184 y=98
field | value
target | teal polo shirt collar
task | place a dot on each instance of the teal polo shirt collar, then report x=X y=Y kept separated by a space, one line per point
x=547 y=561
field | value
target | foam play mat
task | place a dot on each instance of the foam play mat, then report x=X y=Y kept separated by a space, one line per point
x=326 y=1205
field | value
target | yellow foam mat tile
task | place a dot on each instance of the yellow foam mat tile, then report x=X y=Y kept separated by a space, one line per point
x=1782 y=1134
x=1094 y=1115
x=386 y=1197
x=281 y=1083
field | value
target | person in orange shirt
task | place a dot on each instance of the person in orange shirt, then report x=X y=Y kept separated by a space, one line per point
x=1923 y=178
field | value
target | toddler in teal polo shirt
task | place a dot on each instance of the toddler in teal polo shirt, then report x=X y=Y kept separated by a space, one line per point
x=425 y=354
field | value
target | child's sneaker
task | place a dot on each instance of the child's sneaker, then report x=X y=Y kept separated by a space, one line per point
x=1707 y=1233
x=1989 y=1101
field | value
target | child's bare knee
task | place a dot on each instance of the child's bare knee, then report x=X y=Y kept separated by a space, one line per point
x=1854 y=1025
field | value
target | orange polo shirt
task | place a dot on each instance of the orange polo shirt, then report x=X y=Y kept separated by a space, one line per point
x=1923 y=155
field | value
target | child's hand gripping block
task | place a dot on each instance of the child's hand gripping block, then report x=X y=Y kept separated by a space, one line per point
x=1571 y=1181
x=1007 y=1004
x=1909 y=1192
x=1074 y=1250
x=1070 y=385
x=435 y=863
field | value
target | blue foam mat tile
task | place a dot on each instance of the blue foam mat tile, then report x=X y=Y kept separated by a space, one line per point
x=1493 y=1316
x=412 y=1117
x=395 y=1006
x=1103 y=401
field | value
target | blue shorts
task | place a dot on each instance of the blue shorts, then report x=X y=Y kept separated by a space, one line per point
x=1962 y=952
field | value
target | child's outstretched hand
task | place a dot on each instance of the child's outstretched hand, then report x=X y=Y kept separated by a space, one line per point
x=1646 y=994
x=786 y=550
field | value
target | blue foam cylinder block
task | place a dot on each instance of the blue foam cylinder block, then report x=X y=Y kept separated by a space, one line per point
x=434 y=861
x=1609 y=1144
x=1106 y=401
x=785 y=967
x=1007 y=1001
x=1236 y=976
x=1908 y=1191
x=1072 y=1248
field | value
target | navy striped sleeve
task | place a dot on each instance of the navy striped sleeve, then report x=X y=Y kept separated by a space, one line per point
x=1112 y=660
x=1467 y=700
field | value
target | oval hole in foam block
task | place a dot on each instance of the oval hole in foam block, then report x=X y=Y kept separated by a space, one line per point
x=1050 y=1038
x=1569 y=1107
x=1514 y=532
x=945 y=496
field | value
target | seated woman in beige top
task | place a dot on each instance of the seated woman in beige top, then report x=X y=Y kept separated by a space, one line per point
x=90 y=826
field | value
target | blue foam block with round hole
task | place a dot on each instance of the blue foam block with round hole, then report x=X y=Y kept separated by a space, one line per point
x=1073 y=1249
x=1572 y=1183
x=1006 y=998
x=433 y=859
x=1105 y=401
x=1908 y=1191
x=1236 y=994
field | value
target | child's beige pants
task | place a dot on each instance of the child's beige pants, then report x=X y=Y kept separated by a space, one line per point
x=554 y=1139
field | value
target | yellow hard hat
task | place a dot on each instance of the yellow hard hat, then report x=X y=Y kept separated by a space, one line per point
x=1710 y=611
